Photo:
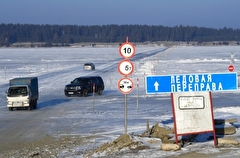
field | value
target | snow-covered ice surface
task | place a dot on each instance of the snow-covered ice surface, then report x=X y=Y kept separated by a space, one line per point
x=103 y=116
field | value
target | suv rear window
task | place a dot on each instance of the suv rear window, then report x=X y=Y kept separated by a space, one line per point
x=81 y=81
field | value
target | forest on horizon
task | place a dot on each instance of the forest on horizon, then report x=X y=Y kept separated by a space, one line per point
x=70 y=34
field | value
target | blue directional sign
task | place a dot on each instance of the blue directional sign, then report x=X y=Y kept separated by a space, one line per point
x=191 y=83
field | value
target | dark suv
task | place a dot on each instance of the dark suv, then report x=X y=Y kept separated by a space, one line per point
x=81 y=86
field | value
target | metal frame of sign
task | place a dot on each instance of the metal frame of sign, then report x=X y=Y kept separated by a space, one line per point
x=191 y=111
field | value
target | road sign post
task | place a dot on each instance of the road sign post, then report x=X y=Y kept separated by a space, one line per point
x=126 y=68
x=93 y=87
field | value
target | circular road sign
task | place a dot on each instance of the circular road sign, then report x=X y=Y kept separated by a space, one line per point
x=125 y=85
x=230 y=68
x=127 y=50
x=125 y=67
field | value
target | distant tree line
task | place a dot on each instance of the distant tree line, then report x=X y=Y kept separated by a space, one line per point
x=69 y=34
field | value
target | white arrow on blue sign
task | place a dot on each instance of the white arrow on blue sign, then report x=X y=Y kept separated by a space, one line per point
x=191 y=83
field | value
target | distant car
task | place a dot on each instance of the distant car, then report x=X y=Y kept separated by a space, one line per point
x=89 y=66
x=81 y=86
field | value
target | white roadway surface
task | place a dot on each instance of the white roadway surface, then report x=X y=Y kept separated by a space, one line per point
x=58 y=115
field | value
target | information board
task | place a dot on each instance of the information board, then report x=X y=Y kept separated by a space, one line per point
x=191 y=83
x=192 y=113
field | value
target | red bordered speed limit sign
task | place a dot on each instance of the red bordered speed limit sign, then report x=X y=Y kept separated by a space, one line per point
x=127 y=50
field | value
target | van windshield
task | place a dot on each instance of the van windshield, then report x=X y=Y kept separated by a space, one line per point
x=16 y=91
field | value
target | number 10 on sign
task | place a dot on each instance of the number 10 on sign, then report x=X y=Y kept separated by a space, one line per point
x=127 y=50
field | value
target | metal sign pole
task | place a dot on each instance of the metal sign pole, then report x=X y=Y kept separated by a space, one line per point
x=5 y=72
x=93 y=95
x=125 y=112
x=137 y=94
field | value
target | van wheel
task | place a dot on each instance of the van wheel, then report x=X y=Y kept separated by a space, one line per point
x=85 y=93
x=10 y=109
x=30 y=108
x=100 y=91
x=30 y=105
x=35 y=104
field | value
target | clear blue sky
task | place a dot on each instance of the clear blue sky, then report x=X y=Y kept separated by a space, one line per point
x=201 y=13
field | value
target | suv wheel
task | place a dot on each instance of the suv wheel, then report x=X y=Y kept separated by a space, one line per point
x=100 y=91
x=85 y=93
